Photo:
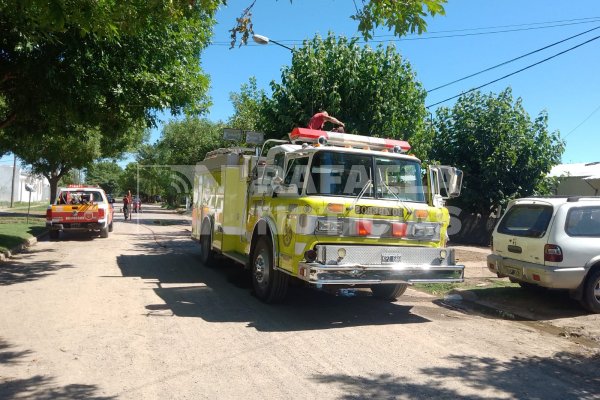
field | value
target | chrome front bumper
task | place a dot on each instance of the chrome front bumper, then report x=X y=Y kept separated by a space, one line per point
x=363 y=265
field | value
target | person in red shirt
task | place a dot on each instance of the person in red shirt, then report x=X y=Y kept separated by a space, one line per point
x=318 y=120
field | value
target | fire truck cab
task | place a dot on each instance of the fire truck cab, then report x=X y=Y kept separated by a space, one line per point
x=329 y=209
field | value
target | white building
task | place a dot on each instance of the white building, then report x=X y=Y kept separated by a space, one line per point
x=40 y=185
x=580 y=179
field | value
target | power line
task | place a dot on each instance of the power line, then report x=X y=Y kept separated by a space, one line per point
x=516 y=72
x=580 y=20
x=512 y=60
x=582 y=122
x=299 y=42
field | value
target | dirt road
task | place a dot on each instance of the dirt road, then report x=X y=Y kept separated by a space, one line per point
x=136 y=316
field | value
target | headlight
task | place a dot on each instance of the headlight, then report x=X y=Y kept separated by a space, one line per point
x=329 y=226
x=423 y=231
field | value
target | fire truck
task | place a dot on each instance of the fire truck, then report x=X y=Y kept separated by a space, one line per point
x=329 y=209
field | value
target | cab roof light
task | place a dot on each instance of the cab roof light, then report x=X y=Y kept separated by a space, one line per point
x=335 y=208
x=346 y=139
x=421 y=214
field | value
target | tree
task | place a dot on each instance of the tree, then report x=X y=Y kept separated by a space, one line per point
x=247 y=105
x=106 y=174
x=503 y=153
x=373 y=91
x=103 y=65
x=400 y=16
x=56 y=152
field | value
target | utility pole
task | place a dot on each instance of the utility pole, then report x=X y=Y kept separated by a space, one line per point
x=12 y=187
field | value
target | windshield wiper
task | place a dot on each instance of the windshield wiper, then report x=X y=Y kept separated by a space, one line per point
x=408 y=209
x=360 y=195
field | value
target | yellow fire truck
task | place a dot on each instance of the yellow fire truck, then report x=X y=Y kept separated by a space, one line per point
x=330 y=209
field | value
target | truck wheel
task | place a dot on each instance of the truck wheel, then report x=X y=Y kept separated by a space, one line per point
x=207 y=255
x=388 y=291
x=269 y=284
x=591 y=292
x=54 y=234
x=104 y=232
x=110 y=227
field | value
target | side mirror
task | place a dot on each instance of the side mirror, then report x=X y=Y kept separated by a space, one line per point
x=111 y=201
x=446 y=181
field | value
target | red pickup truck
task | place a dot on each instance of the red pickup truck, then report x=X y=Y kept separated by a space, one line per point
x=80 y=208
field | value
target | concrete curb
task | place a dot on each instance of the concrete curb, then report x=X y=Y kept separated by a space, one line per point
x=5 y=255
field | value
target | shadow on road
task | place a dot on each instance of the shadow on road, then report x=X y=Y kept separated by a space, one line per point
x=563 y=376
x=38 y=386
x=531 y=304
x=222 y=294
x=20 y=269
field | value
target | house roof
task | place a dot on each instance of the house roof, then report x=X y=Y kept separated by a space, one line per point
x=582 y=170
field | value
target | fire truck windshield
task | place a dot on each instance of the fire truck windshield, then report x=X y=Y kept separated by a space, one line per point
x=346 y=174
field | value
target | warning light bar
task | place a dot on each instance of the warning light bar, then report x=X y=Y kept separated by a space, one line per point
x=80 y=186
x=347 y=140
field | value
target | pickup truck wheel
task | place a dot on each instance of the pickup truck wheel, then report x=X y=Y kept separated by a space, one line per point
x=389 y=291
x=269 y=284
x=110 y=227
x=207 y=255
x=54 y=234
x=591 y=292
x=104 y=232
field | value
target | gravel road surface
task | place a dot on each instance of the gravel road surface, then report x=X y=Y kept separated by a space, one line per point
x=137 y=316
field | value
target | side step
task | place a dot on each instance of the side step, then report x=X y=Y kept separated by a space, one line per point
x=237 y=257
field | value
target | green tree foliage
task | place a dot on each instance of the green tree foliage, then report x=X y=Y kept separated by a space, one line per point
x=503 y=153
x=186 y=142
x=247 y=105
x=106 y=174
x=406 y=16
x=56 y=152
x=181 y=146
x=103 y=65
x=373 y=91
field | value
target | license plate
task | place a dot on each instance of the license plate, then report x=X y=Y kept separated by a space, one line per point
x=514 y=272
x=390 y=258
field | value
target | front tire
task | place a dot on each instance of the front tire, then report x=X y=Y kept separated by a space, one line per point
x=110 y=227
x=389 y=291
x=270 y=285
x=591 y=292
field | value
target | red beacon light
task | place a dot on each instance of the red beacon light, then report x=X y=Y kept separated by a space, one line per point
x=347 y=140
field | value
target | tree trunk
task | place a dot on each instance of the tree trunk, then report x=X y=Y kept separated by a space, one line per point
x=53 y=186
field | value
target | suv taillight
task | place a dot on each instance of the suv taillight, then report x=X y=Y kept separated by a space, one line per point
x=101 y=213
x=49 y=214
x=553 y=253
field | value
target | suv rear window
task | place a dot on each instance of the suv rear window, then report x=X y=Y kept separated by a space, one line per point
x=528 y=220
x=583 y=221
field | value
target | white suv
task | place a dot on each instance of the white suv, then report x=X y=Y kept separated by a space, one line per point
x=551 y=242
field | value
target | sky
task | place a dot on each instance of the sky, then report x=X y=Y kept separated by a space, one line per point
x=567 y=87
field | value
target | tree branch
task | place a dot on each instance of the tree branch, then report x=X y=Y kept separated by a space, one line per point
x=8 y=120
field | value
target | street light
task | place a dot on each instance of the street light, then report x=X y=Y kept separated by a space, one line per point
x=260 y=39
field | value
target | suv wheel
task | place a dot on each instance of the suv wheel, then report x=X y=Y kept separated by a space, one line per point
x=591 y=291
